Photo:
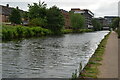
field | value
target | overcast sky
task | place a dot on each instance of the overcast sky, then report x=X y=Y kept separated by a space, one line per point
x=99 y=7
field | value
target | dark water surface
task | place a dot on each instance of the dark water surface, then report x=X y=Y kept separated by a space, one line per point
x=50 y=57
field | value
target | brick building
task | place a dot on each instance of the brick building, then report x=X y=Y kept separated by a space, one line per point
x=6 y=12
x=66 y=18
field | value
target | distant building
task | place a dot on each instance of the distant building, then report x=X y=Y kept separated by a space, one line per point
x=87 y=14
x=66 y=18
x=103 y=22
x=6 y=12
x=109 y=20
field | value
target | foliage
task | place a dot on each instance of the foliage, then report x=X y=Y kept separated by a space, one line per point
x=15 y=16
x=74 y=75
x=14 y=32
x=96 y=25
x=65 y=31
x=77 y=21
x=38 y=22
x=115 y=23
x=118 y=31
x=25 y=15
x=37 y=10
x=55 y=20
x=37 y=14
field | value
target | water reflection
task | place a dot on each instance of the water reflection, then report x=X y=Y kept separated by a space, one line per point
x=51 y=57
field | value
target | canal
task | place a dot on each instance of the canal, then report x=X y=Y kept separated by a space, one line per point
x=49 y=57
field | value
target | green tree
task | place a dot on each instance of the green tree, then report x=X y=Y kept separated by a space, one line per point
x=96 y=25
x=15 y=17
x=55 y=20
x=77 y=21
x=115 y=23
x=37 y=14
x=25 y=15
x=37 y=10
x=38 y=22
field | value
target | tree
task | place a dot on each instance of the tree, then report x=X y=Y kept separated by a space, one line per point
x=37 y=14
x=115 y=23
x=25 y=15
x=38 y=22
x=15 y=16
x=37 y=10
x=55 y=20
x=77 y=21
x=96 y=25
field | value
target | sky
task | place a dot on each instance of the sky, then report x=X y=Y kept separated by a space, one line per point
x=100 y=8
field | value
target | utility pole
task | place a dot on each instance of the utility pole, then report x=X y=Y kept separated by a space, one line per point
x=119 y=12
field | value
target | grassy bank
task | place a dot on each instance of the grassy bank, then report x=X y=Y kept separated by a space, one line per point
x=10 y=32
x=118 y=31
x=91 y=69
x=66 y=31
x=14 y=32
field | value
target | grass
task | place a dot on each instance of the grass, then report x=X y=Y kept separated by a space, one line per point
x=118 y=31
x=66 y=31
x=91 y=69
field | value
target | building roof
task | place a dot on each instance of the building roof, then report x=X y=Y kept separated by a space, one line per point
x=75 y=9
x=78 y=10
x=64 y=10
x=6 y=10
x=110 y=16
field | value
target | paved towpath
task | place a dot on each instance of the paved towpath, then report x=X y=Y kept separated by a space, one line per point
x=109 y=67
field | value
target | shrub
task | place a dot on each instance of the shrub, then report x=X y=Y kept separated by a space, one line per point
x=38 y=22
x=12 y=32
x=118 y=31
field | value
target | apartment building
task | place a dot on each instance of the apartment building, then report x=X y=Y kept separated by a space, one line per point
x=87 y=14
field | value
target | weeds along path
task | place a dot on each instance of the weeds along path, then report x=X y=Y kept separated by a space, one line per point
x=109 y=67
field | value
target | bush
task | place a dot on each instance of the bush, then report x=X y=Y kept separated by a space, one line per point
x=118 y=31
x=12 y=32
x=38 y=22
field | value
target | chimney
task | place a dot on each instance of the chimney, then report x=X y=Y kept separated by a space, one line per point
x=7 y=5
x=17 y=7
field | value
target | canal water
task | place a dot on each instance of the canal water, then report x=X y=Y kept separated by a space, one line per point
x=49 y=57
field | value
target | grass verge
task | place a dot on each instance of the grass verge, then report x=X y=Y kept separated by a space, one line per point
x=118 y=31
x=66 y=31
x=91 y=69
